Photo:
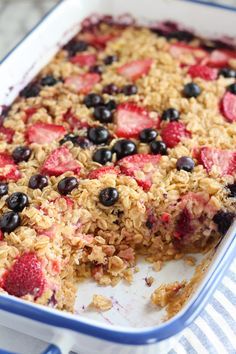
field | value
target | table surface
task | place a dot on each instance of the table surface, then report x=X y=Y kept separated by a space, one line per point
x=16 y=18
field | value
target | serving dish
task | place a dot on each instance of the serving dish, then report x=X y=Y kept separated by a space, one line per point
x=68 y=330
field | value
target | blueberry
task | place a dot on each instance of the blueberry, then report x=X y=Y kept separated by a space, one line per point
x=184 y=36
x=98 y=69
x=93 y=100
x=191 y=90
x=68 y=137
x=17 y=201
x=108 y=196
x=232 y=190
x=21 y=153
x=38 y=181
x=148 y=135
x=130 y=90
x=170 y=114
x=124 y=148
x=110 y=59
x=227 y=72
x=158 y=147
x=223 y=220
x=185 y=163
x=103 y=114
x=31 y=90
x=66 y=185
x=111 y=105
x=82 y=142
x=232 y=88
x=3 y=189
x=9 y=221
x=48 y=80
x=102 y=156
x=98 y=135
x=110 y=89
x=75 y=46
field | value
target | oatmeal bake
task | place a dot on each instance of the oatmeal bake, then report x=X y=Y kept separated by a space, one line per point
x=123 y=145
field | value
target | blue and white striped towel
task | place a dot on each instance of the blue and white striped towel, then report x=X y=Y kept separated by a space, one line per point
x=214 y=332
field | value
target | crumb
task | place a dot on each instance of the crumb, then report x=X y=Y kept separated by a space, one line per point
x=149 y=281
x=101 y=303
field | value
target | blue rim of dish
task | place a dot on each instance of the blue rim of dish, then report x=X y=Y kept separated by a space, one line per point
x=213 y=4
x=126 y=336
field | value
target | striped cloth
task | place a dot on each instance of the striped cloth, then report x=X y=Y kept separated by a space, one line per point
x=214 y=332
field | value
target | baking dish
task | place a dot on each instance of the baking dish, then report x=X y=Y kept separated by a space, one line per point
x=133 y=329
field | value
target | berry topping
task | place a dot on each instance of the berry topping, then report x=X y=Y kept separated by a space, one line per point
x=191 y=90
x=75 y=46
x=7 y=134
x=158 y=147
x=111 y=105
x=68 y=137
x=147 y=135
x=17 y=201
x=3 y=189
x=102 y=156
x=110 y=59
x=183 y=226
x=123 y=148
x=9 y=221
x=232 y=88
x=223 y=220
x=96 y=174
x=98 y=135
x=170 y=114
x=93 y=100
x=135 y=69
x=228 y=106
x=181 y=35
x=44 y=133
x=130 y=90
x=203 y=71
x=25 y=277
x=108 y=196
x=48 y=81
x=185 y=163
x=103 y=114
x=31 y=90
x=83 y=83
x=219 y=58
x=180 y=50
x=66 y=185
x=228 y=73
x=110 y=89
x=74 y=122
x=60 y=161
x=173 y=133
x=21 y=153
x=232 y=190
x=38 y=181
x=223 y=161
x=131 y=120
x=97 y=69
x=8 y=168
x=82 y=142
x=133 y=165
x=84 y=59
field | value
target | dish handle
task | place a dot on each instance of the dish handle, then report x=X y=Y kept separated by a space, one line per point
x=51 y=349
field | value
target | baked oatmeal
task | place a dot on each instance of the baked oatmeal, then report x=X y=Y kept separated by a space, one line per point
x=123 y=145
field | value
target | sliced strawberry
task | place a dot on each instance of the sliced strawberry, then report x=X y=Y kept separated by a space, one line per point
x=29 y=112
x=135 y=69
x=96 y=174
x=178 y=50
x=73 y=121
x=84 y=59
x=8 y=168
x=183 y=226
x=83 y=83
x=133 y=165
x=7 y=134
x=219 y=58
x=173 y=133
x=98 y=40
x=223 y=160
x=1 y=235
x=131 y=119
x=44 y=133
x=25 y=277
x=203 y=71
x=228 y=106
x=60 y=161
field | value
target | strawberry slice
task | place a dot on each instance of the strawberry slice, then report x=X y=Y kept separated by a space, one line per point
x=8 y=168
x=84 y=59
x=178 y=50
x=73 y=121
x=141 y=167
x=96 y=174
x=44 y=133
x=25 y=277
x=29 y=112
x=228 y=106
x=219 y=58
x=173 y=133
x=98 y=40
x=203 y=71
x=60 y=161
x=83 y=83
x=224 y=160
x=7 y=134
x=135 y=69
x=132 y=119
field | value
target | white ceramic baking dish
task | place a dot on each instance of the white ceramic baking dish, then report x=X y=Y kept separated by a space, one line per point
x=131 y=326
